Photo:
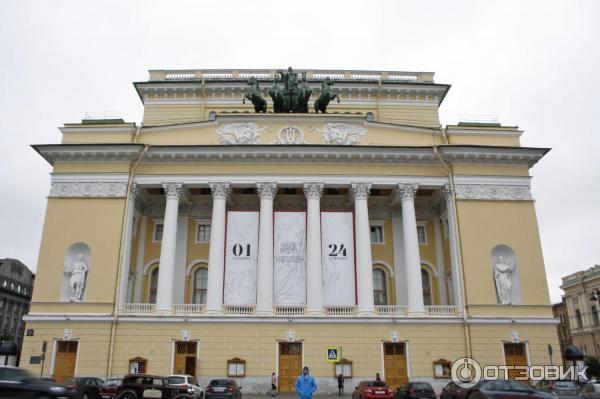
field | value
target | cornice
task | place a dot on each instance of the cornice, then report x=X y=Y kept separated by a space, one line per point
x=299 y=153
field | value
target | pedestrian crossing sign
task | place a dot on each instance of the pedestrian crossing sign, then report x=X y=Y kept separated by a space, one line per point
x=333 y=354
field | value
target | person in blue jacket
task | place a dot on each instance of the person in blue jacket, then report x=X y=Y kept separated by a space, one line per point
x=305 y=385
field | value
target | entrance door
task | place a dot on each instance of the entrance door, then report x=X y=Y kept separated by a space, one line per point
x=64 y=361
x=184 y=361
x=290 y=365
x=515 y=355
x=394 y=362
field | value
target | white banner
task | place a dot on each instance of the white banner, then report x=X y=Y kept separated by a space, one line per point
x=289 y=251
x=337 y=235
x=241 y=255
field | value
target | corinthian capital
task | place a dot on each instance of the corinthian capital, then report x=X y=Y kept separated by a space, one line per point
x=133 y=192
x=173 y=190
x=407 y=191
x=446 y=192
x=361 y=190
x=266 y=190
x=219 y=190
x=313 y=190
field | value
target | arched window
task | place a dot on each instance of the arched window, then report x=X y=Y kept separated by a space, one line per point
x=379 y=287
x=427 y=299
x=595 y=315
x=153 y=287
x=200 y=285
x=578 y=317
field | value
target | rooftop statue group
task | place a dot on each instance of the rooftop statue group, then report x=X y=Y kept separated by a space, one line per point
x=294 y=95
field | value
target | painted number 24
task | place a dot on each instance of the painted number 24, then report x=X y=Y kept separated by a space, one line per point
x=335 y=251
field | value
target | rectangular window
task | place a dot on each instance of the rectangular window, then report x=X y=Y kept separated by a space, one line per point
x=377 y=234
x=422 y=234
x=203 y=233
x=158 y=232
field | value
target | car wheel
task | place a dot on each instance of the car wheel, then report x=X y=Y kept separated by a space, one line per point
x=127 y=395
x=85 y=396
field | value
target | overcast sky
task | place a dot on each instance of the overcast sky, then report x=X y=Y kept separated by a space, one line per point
x=532 y=63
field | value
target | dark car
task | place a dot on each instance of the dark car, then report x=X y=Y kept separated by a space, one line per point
x=372 y=389
x=18 y=383
x=223 y=389
x=138 y=386
x=590 y=391
x=453 y=391
x=503 y=389
x=84 y=387
x=563 y=389
x=108 y=389
x=414 y=390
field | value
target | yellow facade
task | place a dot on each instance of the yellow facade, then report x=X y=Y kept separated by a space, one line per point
x=483 y=167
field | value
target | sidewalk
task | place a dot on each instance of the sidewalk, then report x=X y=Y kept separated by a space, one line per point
x=294 y=396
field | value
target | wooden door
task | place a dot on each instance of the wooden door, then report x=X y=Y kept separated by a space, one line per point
x=514 y=355
x=64 y=361
x=184 y=361
x=394 y=362
x=290 y=365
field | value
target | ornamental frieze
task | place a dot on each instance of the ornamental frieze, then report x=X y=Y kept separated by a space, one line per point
x=88 y=189
x=498 y=192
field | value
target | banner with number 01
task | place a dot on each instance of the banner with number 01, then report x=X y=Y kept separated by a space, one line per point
x=337 y=232
x=241 y=255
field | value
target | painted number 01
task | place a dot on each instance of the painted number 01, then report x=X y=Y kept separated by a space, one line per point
x=337 y=251
x=238 y=250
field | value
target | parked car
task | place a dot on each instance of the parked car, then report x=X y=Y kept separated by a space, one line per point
x=138 y=386
x=563 y=389
x=19 y=383
x=108 y=389
x=590 y=391
x=413 y=390
x=507 y=389
x=453 y=391
x=372 y=389
x=84 y=387
x=224 y=388
x=189 y=383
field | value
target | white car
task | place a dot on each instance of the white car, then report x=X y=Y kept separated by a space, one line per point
x=188 y=382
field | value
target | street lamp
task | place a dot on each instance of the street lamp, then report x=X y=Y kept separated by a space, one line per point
x=595 y=295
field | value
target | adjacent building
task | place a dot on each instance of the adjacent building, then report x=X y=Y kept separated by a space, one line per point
x=215 y=240
x=563 y=327
x=16 y=287
x=582 y=299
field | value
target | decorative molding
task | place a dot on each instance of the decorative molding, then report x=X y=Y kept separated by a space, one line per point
x=88 y=189
x=173 y=190
x=341 y=133
x=360 y=191
x=313 y=190
x=266 y=190
x=290 y=135
x=493 y=192
x=220 y=190
x=406 y=191
x=239 y=133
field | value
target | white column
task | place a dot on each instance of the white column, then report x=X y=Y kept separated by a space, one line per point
x=314 y=271
x=181 y=256
x=139 y=267
x=364 y=262
x=412 y=258
x=453 y=243
x=399 y=269
x=216 y=254
x=439 y=260
x=125 y=266
x=166 y=270
x=264 y=283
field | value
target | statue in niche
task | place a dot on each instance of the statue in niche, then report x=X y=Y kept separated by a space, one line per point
x=503 y=279
x=78 y=271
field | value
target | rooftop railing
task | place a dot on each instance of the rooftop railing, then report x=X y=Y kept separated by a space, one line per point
x=267 y=74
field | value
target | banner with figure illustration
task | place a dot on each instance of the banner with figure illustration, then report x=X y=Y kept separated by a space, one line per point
x=289 y=258
x=241 y=256
x=337 y=235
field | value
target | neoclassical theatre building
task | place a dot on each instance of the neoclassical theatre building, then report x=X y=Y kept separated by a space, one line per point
x=328 y=210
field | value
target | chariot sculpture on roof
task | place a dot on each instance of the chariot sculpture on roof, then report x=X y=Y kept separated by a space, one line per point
x=293 y=96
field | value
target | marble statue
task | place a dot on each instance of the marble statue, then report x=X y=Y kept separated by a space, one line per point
x=78 y=270
x=503 y=279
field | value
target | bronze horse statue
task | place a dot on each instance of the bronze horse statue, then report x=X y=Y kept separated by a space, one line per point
x=277 y=97
x=327 y=94
x=304 y=95
x=252 y=93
